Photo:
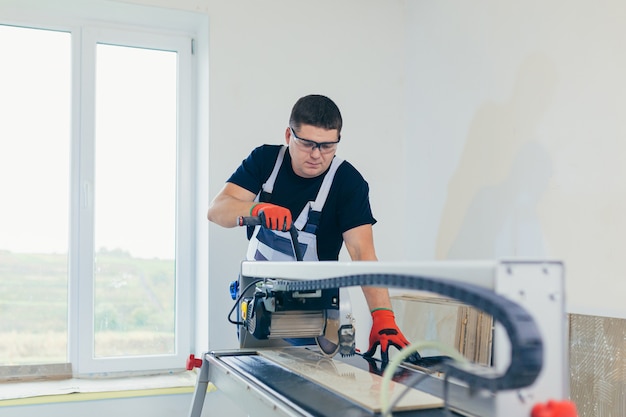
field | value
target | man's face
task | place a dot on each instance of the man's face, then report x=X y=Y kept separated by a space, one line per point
x=307 y=159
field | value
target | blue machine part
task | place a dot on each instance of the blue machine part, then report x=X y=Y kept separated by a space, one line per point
x=234 y=289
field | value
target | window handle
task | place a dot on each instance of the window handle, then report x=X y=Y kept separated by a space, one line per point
x=86 y=194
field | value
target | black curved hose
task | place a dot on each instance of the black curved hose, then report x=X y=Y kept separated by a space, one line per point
x=526 y=343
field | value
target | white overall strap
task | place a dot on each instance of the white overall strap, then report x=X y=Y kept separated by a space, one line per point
x=268 y=187
x=322 y=194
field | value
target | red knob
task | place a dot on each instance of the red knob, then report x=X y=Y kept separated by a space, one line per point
x=193 y=362
x=555 y=409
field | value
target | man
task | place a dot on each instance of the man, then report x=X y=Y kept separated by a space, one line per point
x=328 y=196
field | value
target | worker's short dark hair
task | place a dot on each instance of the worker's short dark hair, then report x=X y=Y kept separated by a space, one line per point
x=316 y=110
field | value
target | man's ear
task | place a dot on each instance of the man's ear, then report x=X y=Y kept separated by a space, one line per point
x=287 y=135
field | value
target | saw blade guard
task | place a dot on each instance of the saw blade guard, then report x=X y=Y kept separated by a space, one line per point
x=339 y=330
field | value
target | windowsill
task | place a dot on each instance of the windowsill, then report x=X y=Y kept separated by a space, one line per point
x=38 y=392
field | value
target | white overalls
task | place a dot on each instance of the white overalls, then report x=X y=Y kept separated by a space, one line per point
x=272 y=245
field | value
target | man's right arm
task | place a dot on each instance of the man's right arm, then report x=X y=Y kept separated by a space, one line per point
x=229 y=204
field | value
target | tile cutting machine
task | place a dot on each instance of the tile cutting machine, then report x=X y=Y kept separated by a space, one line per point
x=282 y=301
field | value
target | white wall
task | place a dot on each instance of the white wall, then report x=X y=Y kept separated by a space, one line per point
x=516 y=135
x=172 y=405
x=158 y=406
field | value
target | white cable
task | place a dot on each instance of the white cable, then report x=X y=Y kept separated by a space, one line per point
x=397 y=360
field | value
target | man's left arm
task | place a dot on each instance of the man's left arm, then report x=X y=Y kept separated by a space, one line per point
x=359 y=242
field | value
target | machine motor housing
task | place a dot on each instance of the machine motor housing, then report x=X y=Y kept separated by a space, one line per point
x=273 y=314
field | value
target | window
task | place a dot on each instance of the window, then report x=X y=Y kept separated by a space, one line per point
x=96 y=171
x=35 y=138
x=134 y=201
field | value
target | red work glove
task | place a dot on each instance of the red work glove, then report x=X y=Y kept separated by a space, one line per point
x=385 y=333
x=274 y=217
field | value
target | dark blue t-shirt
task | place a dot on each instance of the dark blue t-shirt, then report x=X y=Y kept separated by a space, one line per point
x=347 y=205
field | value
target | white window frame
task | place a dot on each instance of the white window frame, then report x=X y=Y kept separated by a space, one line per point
x=90 y=38
x=146 y=27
